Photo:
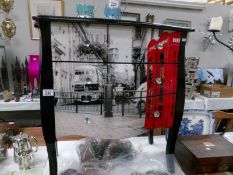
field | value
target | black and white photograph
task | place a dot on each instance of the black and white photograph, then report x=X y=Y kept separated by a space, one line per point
x=102 y=57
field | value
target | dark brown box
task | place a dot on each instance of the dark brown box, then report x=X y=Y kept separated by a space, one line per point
x=216 y=91
x=204 y=154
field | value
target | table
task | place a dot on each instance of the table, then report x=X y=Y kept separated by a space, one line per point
x=37 y=132
x=217 y=103
x=22 y=105
x=209 y=104
x=149 y=157
x=194 y=104
x=200 y=103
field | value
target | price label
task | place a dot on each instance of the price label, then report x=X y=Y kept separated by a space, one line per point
x=48 y=92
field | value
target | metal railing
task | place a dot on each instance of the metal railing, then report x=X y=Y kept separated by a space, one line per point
x=126 y=102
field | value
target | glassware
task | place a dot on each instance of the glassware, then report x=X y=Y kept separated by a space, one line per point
x=34 y=71
x=23 y=151
x=85 y=9
x=24 y=160
x=112 y=9
x=3 y=148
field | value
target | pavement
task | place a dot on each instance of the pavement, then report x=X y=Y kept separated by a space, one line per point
x=95 y=125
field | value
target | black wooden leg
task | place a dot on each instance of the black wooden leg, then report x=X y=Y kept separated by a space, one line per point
x=150 y=137
x=180 y=98
x=52 y=155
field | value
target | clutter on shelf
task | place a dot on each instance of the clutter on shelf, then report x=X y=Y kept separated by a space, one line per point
x=191 y=82
x=25 y=78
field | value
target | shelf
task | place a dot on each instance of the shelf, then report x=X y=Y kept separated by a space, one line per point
x=20 y=106
x=43 y=18
x=199 y=103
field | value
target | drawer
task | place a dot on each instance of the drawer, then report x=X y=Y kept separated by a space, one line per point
x=160 y=112
x=166 y=49
x=163 y=79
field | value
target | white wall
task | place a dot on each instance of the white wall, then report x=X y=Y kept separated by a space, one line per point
x=215 y=56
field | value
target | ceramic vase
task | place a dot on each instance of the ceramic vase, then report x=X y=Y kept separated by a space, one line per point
x=34 y=71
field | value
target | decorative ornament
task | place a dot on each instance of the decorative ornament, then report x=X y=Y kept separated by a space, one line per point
x=112 y=9
x=4 y=75
x=8 y=28
x=26 y=75
x=85 y=10
x=7 y=95
x=6 y=5
x=17 y=80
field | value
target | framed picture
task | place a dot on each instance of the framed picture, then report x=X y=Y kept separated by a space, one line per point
x=210 y=75
x=43 y=7
x=132 y=17
x=176 y=22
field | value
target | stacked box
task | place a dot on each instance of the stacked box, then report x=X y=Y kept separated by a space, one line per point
x=191 y=83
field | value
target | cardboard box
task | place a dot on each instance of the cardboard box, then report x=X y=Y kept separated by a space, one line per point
x=216 y=91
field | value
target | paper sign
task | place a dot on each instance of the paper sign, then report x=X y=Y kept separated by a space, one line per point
x=48 y=92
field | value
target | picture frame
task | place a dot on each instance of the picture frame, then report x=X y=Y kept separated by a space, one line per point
x=179 y=23
x=43 y=7
x=132 y=17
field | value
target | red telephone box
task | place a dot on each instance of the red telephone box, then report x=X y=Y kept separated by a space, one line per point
x=162 y=77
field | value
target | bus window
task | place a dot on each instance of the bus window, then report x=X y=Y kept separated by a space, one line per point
x=79 y=73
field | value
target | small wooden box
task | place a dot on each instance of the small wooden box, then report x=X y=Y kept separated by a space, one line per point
x=204 y=154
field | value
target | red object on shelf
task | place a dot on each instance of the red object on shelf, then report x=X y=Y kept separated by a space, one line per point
x=162 y=80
